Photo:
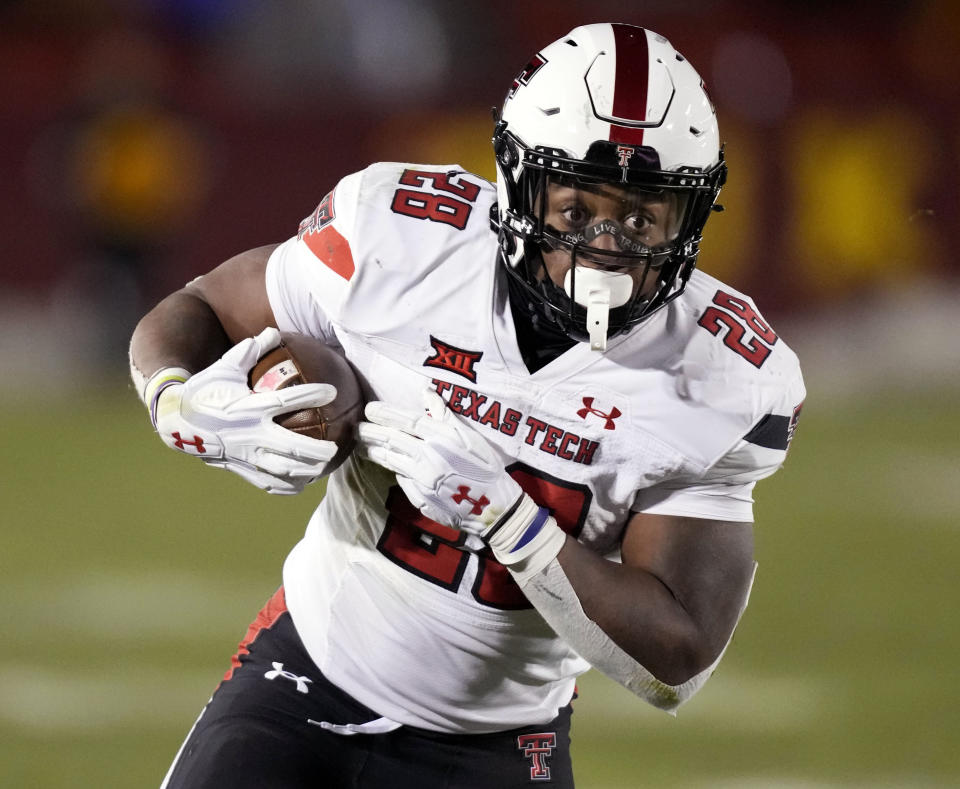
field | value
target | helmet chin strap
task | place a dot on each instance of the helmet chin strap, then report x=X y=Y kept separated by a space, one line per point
x=599 y=291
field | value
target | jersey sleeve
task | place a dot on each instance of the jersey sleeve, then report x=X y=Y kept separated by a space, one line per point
x=725 y=491
x=308 y=276
x=721 y=501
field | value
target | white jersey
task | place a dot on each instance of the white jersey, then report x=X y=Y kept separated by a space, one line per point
x=398 y=266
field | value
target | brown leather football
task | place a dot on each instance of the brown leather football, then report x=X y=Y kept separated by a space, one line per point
x=302 y=359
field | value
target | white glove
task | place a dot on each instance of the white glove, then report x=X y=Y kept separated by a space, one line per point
x=454 y=477
x=215 y=416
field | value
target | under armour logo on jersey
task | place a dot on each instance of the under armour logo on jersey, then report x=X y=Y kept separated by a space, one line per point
x=624 y=152
x=182 y=443
x=537 y=747
x=463 y=494
x=607 y=417
x=456 y=360
x=278 y=671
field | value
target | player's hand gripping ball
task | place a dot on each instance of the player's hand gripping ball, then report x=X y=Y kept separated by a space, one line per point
x=296 y=427
x=300 y=359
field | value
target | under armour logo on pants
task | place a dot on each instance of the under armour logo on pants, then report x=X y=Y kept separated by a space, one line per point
x=278 y=671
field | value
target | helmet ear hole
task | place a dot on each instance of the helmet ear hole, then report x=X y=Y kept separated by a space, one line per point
x=503 y=147
x=507 y=154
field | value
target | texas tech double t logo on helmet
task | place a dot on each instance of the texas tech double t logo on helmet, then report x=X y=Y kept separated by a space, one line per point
x=650 y=130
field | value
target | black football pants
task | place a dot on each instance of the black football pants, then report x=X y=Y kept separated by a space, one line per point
x=261 y=730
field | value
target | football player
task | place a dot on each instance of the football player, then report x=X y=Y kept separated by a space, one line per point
x=556 y=468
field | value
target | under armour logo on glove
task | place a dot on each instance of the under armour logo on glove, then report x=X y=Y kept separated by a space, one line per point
x=463 y=494
x=589 y=409
x=278 y=671
x=180 y=442
x=537 y=747
x=439 y=460
x=213 y=415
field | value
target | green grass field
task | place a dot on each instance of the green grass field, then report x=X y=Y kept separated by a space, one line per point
x=129 y=574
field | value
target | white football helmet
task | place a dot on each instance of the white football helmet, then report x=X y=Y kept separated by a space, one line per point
x=611 y=109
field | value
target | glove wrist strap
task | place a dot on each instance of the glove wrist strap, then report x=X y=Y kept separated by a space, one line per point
x=527 y=539
x=157 y=383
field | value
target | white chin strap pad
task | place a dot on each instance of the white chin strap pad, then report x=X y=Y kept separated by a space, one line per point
x=599 y=291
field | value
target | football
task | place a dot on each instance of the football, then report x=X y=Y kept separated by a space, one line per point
x=302 y=359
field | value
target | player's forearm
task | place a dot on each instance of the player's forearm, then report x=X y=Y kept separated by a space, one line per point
x=552 y=595
x=639 y=614
x=622 y=619
x=659 y=643
x=195 y=326
x=181 y=331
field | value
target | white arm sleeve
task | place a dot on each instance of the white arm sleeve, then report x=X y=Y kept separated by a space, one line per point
x=552 y=595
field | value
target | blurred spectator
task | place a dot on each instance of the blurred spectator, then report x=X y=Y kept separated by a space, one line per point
x=152 y=135
x=122 y=172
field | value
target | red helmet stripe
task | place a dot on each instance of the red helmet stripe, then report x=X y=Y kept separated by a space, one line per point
x=630 y=90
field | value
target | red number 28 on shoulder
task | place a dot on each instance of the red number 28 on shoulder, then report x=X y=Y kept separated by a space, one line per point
x=450 y=204
x=738 y=318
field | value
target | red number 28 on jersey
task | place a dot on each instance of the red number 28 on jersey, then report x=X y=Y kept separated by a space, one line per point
x=738 y=318
x=435 y=552
x=450 y=204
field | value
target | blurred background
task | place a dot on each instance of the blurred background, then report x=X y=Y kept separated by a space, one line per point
x=144 y=141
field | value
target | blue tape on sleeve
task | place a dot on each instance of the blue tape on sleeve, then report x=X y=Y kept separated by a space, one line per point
x=533 y=529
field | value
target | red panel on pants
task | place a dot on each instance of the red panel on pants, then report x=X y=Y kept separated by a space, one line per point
x=276 y=606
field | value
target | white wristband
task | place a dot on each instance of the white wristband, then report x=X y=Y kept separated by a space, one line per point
x=528 y=540
x=160 y=380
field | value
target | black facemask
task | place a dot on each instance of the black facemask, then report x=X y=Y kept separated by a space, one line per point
x=539 y=336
